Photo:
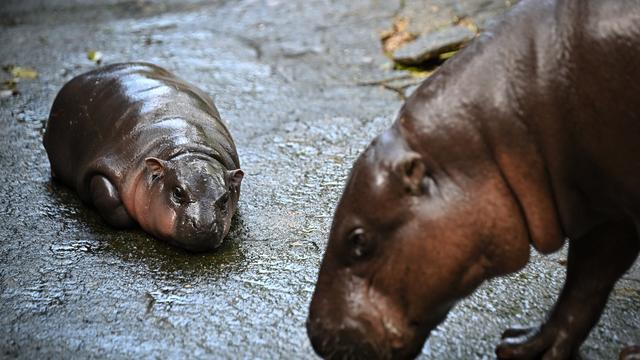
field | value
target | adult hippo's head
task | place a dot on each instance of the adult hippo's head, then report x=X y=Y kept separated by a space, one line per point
x=409 y=238
x=189 y=200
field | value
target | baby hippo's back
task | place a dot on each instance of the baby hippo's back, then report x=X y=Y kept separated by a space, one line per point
x=108 y=120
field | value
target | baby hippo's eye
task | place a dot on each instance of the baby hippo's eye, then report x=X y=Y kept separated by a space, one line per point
x=222 y=201
x=360 y=244
x=178 y=194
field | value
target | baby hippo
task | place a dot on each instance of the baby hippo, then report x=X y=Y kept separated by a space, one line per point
x=145 y=147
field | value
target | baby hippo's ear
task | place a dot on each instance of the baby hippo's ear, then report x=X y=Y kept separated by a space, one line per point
x=411 y=169
x=155 y=167
x=235 y=177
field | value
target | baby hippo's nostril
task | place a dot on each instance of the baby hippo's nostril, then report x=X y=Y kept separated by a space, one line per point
x=214 y=227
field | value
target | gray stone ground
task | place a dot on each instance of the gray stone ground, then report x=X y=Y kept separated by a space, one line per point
x=285 y=76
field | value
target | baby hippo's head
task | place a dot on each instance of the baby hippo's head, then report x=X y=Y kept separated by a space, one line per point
x=191 y=200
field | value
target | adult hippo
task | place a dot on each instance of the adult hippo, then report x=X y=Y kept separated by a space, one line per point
x=528 y=136
x=146 y=147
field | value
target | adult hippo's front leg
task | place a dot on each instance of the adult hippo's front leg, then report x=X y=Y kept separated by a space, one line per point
x=592 y=271
x=106 y=199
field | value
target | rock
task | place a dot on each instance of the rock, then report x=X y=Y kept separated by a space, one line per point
x=482 y=12
x=6 y=93
x=421 y=19
x=429 y=46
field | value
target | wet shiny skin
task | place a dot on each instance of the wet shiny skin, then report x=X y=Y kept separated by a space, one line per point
x=509 y=144
x=149 y=136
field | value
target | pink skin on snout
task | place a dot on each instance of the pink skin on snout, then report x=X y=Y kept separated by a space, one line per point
x=151 y=212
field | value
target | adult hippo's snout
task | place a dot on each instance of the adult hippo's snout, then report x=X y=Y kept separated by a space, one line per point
x=347 y=330
x=345 y=343
x=350 y=319
x=352 y=338
x=355 y=340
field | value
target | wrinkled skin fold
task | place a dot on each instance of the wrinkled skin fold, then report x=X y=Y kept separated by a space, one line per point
x=527 y=137
x=146 y=148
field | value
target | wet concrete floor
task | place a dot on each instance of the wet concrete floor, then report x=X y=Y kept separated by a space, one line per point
x=285 y=76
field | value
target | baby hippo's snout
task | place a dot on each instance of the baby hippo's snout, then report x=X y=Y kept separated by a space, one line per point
x=196 y=234
x=202 y=200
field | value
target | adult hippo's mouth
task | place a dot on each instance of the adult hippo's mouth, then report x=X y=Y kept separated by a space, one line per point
x=356 y=340
x=366 y=325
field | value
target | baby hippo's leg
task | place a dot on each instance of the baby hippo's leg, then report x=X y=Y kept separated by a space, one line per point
x=595 y=263
x=106 y=199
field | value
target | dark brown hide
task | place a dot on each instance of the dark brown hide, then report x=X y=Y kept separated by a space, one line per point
x=528 y=136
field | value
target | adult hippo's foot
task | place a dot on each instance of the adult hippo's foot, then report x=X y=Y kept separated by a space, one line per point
x=536 y=342
x=592 y=271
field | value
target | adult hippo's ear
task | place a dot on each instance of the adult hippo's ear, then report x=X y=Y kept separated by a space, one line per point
x=155 y=167
x=411 y=170
x=234 y=177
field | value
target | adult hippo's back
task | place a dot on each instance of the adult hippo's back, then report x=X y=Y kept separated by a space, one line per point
x=530 y=135
x=146 y=147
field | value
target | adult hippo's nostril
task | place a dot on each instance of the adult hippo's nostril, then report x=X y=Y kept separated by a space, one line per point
x=345 y=341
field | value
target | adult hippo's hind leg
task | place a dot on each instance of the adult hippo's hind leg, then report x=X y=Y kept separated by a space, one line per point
x=596 y=261
x=106 y=199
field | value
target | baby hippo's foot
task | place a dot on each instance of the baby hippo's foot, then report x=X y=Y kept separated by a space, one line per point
x=106 y=199
x=630 y=353
x=546 y=342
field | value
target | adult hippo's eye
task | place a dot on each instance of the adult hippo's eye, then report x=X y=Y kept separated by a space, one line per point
x=359 y=243
x=178 y=194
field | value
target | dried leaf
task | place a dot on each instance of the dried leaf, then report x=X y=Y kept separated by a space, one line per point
x=95 y=56
x=22 y=72
x=397 y=36
x=445 y=55
x=468 y=23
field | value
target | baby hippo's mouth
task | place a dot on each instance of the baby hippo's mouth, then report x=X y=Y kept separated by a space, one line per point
x=198 y=238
